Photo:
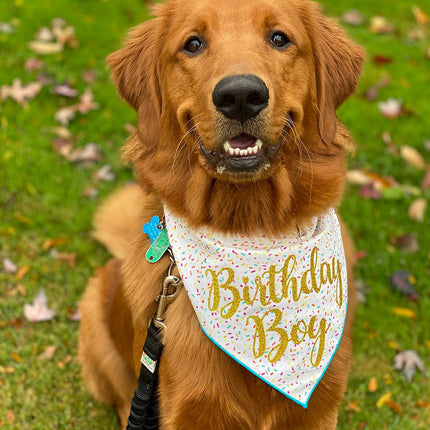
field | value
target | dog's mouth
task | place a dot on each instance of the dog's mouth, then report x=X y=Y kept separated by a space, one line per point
x=243 y=155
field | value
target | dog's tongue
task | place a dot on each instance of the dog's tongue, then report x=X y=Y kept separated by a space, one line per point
x=242 y=141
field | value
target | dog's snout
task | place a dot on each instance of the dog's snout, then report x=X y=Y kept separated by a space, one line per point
x=240 y=97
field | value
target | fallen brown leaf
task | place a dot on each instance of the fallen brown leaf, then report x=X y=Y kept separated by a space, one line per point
x=22 y=272
x=417 y=209
x=353 y=17
x=407 y=361
x=422 y=404
x=45 y=48
x=50 y=242
x=16 y=357
x=404 y=312
x=48 y=353
x=420 y=16
x=373 y=385
x=105 y=174
x=89 y=153
x=20 y=93
x=9 y=266
x=353 y=406
x=426 y=181
x=380 y=25
x=412 y=157
x=386 y=138
x=39 y=310
x=394 y=406
x=70 y=259
x=33 y=64
x=392 y=108
x=383 y=399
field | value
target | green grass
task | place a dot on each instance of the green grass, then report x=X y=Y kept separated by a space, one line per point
x=41 y=197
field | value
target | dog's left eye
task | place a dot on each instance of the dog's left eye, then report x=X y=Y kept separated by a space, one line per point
x=279 y=40
x=193 y=45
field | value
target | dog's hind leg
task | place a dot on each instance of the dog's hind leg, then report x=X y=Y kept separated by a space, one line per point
x=106 y=340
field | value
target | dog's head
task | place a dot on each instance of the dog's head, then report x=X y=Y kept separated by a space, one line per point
x=236 y=104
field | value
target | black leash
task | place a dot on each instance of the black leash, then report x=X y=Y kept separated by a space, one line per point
x=144 y=405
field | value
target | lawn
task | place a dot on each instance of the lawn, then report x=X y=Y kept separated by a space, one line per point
x=47 y=201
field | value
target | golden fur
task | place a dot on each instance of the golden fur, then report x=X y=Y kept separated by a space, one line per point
x=200 y=386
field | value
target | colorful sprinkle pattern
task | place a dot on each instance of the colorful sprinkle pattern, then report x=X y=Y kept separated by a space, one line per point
x=275 y=305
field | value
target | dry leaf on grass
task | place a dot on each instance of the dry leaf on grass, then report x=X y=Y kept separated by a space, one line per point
x=380 y=25
x=426 y=181
x=420 y=16
x=412 y=157
x=408 y=361
x=9 y=266
x=383 y=399
x=33 y=64
x=353 y=17
x=89 y=153
x=86 y=104
x=45 y=48
x=402 y=281
x=417 y=209
x=105 y=174
x=392 y=108
x=404 y=312
x=39 y=310
x=20 y=93
x=65 y=90
x=406 y=242
x=48 y=353
x=372 y=386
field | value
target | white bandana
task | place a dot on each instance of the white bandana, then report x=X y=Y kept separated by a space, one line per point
x=275 y=305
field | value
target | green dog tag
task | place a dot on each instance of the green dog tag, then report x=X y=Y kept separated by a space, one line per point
x=158 y=247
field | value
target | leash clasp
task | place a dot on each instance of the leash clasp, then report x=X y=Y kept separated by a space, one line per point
x=168 y=294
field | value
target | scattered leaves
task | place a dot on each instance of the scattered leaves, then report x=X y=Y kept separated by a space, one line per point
x=70 y=259
x=20 y=93
x=86 y=104
x=9 y=266
x=412 y=157
x=386 y=138
x=417 y=209
x=422 y=404
x=16 y=357
x=53 y=40
x=408 y=361
x=39 y=310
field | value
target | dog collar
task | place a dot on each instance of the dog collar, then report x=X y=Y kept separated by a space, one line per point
x=275 y=305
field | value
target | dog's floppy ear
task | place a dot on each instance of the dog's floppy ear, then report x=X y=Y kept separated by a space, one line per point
x=134 y=70
x=338 y=63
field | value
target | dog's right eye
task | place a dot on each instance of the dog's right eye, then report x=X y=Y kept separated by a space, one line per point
x=193 y=45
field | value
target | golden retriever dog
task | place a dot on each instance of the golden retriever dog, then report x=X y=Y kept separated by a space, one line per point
x=236 y=133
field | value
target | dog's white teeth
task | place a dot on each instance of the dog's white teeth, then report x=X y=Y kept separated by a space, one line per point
x=231 y=151
x=227 y=146
x=255 y=149
x=237 y=151
x=243 y=152
x=259 y=143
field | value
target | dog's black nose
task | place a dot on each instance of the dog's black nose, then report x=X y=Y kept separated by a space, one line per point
x=240 y=97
